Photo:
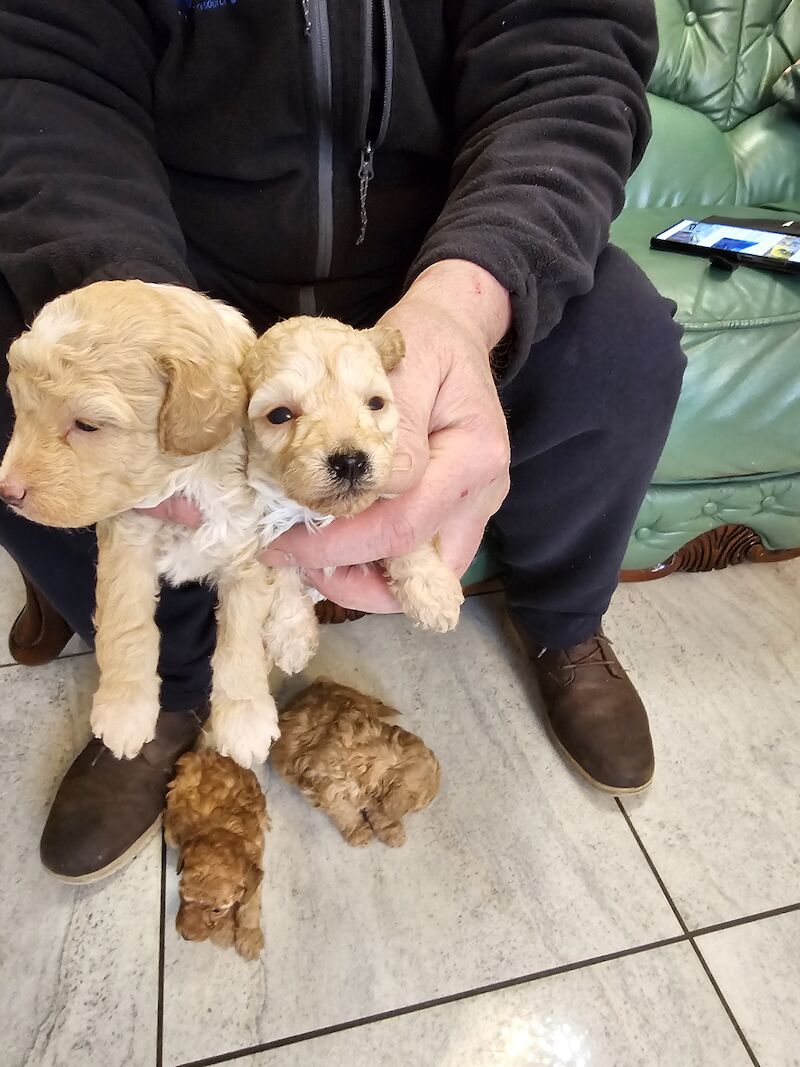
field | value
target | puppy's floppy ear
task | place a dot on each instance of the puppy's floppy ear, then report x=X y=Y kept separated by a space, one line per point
x=204 y=403
x=389 y=343
x=206 y=398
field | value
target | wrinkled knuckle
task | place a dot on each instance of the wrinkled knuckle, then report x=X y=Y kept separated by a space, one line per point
x=496 y=455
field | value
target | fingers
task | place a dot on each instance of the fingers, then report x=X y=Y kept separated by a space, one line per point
x=175 y=509
x=459 y=542
x=360 y=588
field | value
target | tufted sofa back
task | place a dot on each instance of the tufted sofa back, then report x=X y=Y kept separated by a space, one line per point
x=718 y=134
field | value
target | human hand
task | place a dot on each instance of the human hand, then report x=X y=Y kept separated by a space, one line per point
x=452 y=458
x=175 y=508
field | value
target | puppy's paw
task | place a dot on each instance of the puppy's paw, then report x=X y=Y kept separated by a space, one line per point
x=432 y=600
x=292 y=652
x=223 y=936
x=392 y=834
x=249 y=943
x=124 y=726
x=358 y=836
x=244 y=729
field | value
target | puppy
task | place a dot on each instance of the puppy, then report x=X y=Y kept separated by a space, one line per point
x=337 y=749
x=216 y=816
x=321 y=439
x=124 y=393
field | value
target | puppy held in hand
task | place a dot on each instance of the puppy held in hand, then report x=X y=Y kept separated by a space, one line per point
x=216 y=817
x=367 y=774
x=125 y=393
x=321 y=443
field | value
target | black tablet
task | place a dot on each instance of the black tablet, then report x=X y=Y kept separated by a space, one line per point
x=727 y=241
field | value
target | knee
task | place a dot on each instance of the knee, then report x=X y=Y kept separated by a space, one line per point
x=626 y=346
x=645 y=340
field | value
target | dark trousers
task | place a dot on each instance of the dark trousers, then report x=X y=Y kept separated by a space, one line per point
x=588 y=415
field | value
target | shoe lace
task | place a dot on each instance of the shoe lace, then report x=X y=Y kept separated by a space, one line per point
x=601 y=644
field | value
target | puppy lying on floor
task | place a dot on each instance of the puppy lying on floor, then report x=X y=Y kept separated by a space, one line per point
x=337 y=748
x=216 y=816
x=124 y=393
x=321 y=442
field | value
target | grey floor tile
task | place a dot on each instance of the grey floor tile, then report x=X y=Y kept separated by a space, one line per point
x=12 y=598
x=757 y=966
x=79 y=966
x=717 y=659
x=518 y=866
x=656 y=1009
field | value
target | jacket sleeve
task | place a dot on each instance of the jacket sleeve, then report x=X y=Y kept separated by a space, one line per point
x=550 y=118
x=83 y=196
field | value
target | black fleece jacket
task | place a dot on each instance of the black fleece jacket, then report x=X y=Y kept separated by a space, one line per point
x=232 y=144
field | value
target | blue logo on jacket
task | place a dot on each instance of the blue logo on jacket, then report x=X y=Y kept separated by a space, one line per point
x=186 y=7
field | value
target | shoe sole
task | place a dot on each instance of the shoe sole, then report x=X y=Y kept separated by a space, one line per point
x=116 y=865
x=603 y=787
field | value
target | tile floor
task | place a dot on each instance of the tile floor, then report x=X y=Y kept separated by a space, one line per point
x=529 y=920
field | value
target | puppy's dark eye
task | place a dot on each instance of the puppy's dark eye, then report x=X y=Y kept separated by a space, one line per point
x=216 y=911
x=85 y=426
x=280 y=415
x=375 y=403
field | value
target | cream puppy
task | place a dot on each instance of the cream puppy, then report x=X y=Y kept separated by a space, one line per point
x=321 y=439
x=124 y=393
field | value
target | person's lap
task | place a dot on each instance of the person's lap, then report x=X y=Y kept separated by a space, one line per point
x=587 y=415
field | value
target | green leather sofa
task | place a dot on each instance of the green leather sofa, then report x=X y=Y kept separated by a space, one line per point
x=721 y=145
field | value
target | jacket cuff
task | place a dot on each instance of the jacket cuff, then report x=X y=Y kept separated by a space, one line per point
x=514 y=349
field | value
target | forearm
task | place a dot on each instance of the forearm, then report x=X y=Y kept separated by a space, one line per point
x=550 y=115
x=470 y=294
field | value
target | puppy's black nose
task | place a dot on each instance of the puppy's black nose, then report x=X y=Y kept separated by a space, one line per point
x=348 y=466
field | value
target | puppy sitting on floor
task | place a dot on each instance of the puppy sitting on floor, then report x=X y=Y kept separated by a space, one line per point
x=321 y=442
x=216 y=816
x=124 y=393
x=337 y=748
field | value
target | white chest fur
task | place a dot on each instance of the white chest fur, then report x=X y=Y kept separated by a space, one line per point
x=215 y=482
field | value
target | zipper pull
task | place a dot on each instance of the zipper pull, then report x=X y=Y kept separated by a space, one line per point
x=306 y=4
x=366 y=173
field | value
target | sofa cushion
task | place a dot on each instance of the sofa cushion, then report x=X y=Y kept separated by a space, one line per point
x=690 y=161
x=721 y=57
x=739 y=411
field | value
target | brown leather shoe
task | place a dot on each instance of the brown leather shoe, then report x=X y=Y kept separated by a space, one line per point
x=596 y=716
x=39 y=634
x=106 y=810
x=329 y=613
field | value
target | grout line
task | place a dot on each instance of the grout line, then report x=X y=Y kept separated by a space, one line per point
x=724 y=1002
x=690 y=935
x=449 y=998
x=652 y=867
x=161 y=944
x=743 y=920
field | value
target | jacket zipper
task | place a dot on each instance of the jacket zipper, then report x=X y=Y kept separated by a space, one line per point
x=317 y=32
x=370 y=144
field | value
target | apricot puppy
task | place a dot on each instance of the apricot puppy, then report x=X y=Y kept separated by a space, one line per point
x=216 y=817
x=367 y=774
x=125 y=393
x=321 y=440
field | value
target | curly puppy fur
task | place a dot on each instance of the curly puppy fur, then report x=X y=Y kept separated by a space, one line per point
x=124 y=393
x=216 y=817
x=367 y=774
x=321 y=436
